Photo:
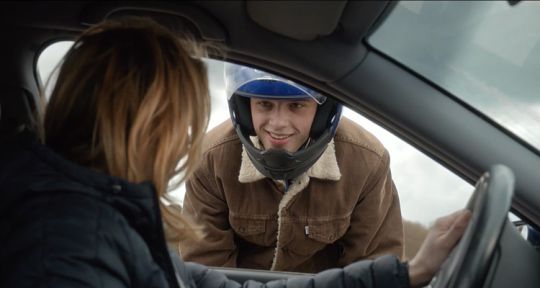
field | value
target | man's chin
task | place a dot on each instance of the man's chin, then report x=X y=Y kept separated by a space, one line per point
x=283 y=148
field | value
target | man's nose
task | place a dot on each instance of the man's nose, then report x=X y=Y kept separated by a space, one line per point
x=279 y=117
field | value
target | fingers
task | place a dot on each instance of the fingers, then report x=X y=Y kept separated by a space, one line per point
x=437 y=245
x=459 y=224
x=458 y=220
x=446 y=222
x=463 y=218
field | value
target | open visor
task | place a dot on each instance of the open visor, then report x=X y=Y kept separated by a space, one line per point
x=249 y=82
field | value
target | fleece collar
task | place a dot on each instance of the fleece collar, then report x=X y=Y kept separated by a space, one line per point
x=325 y=168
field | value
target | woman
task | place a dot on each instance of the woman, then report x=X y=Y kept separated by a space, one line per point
x=130 y=103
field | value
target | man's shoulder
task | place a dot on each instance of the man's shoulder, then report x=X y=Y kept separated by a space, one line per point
x=351 y=134
x=219 y=136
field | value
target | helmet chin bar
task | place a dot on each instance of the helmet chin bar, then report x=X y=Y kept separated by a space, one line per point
x=281 y=164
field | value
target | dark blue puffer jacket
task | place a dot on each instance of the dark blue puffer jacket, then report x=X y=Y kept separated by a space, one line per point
x=63 y=225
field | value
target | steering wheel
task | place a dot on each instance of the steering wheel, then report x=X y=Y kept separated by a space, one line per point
x=469 y=262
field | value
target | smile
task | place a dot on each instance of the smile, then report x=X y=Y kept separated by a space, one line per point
x=278 y=137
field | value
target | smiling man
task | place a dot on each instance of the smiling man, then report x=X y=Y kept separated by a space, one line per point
x=288 y=185
x=282 y=124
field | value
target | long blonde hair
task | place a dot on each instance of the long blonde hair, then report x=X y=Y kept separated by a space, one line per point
x=132 y=100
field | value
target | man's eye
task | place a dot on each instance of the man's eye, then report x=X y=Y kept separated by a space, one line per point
x=296 y=105
x=264 y=104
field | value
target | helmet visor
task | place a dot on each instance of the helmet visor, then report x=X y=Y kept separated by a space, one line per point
x=250 y=82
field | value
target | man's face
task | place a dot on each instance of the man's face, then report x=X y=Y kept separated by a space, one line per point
x=282 y=124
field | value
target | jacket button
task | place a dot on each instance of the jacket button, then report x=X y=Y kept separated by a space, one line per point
x=116 y=188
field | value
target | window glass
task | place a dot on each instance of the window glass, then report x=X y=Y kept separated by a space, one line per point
x=426 y=189
x=485 y=52
x=47 y=62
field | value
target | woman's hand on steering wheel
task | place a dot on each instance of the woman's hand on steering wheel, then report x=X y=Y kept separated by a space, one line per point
x=440 y=241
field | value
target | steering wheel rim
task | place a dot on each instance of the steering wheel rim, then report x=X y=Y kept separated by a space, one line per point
x=469 y=262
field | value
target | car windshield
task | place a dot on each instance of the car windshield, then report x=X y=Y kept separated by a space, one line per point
x=487 y=53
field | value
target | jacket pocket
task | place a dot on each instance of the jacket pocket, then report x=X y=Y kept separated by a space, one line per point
x=327 y=231
x=318 y=234
x=251 y=228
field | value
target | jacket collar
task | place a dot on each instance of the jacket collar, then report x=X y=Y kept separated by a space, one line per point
x=35 y=169
x=95 y=180
x=326 y=167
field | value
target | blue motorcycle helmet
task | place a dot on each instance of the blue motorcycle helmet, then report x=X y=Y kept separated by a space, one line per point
x=243 y=83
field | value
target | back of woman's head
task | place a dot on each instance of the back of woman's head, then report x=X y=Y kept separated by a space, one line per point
x=131 y=100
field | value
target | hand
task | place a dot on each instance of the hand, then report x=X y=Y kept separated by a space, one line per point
x=439 y=242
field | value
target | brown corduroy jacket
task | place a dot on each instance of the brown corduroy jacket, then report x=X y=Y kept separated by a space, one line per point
x=344 y=208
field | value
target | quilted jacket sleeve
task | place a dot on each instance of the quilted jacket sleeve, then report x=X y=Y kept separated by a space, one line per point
x=383 y=272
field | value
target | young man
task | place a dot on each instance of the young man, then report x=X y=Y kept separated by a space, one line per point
x=284 y=187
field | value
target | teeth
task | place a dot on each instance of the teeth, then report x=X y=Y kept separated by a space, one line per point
x=278 y=137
